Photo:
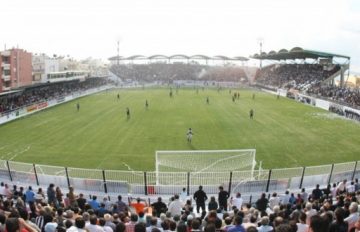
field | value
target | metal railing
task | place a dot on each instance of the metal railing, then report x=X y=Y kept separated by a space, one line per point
x=138 y=182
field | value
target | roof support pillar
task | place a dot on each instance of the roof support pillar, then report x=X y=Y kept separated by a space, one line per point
x=342 y=76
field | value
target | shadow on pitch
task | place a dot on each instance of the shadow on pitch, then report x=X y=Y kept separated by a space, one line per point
x=191 y=146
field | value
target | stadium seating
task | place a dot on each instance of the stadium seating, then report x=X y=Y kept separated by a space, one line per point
x=53 y=210
x=33 y=210
x=46 y=92
x=343 y=95
x=296 y=76
x=177 y=71
x=308 y=78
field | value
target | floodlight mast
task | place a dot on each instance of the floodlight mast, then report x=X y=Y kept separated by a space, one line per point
x=260 y=41
x=118 y=52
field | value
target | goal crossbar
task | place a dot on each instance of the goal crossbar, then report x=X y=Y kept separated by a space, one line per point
x=199 y=161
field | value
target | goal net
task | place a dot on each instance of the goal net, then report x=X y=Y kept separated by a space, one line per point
x=205 y=161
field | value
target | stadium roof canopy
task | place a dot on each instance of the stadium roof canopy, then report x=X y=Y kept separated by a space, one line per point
x=179 y=56
x=158 y=57
x=137 y=57
x=200 y=57
x=116 y=58
x=296 y=53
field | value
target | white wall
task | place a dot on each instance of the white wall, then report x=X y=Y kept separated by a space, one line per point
x=42 y=65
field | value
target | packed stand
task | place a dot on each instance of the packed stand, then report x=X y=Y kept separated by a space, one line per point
x=347 y=96
x=332 y=209
x=225 y=74
x=177 y=71
x=309 y=79
x=46 y=92
x=157 y=72
x=296 y=76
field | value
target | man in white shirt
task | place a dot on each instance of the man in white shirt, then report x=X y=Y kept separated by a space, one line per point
x=354 y=215
x=86 y=217
x=93 y=227
x=357 y=185
x=302 y=226
x=284 y=200
x=50 y=227
x=79 y=226
x=341 y=188
x=237 y=201
x=304 y=195
x=175 y=206
x=265 y=227
x=309 y=211
x=274 y=200
x=351 y=188
x=105 y=227
x=153 y=224
x=183 y=195
x=107 y=203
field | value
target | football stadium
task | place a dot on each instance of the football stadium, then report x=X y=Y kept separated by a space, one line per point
x=181 y=142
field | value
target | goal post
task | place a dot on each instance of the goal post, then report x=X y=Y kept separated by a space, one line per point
x=198 y=161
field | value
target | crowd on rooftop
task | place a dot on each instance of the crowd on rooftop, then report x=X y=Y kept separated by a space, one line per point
x=46 y=92
x=331 y=209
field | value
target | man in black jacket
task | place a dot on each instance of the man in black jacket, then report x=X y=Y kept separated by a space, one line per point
x=200 y=198
x=316 y=193
x=223 y=198
x=262 y=203
x=159 y=207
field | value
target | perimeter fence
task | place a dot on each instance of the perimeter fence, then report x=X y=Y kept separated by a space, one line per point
x=139 y=182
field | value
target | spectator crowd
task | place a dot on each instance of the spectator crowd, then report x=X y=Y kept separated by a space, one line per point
x=46 y=92
x=331 y=209
x=347 y=96
x=168 y=72
x=296 y=76
x=309 y=79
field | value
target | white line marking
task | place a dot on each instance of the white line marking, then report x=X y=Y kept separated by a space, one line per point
x=20 y=152
x=128 y=167
x=59 y=172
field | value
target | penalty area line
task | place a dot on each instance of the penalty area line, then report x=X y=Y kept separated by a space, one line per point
x=20 y=152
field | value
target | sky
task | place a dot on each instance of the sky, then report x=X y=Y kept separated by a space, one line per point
x=91 y=28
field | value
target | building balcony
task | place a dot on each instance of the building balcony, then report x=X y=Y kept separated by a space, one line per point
x=5 y=66
x=4 y=88
x=6 y=77
x=6 y=53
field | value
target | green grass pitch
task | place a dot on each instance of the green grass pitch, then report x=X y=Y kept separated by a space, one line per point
x=283 y=132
